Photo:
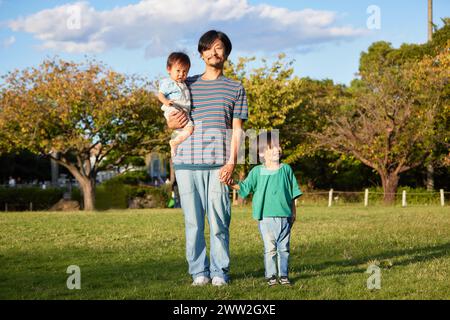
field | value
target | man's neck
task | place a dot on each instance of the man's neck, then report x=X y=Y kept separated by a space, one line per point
x=212 y=73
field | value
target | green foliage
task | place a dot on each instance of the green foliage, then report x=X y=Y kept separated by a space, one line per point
x=116 y=193
x=381 y=54
x=78 y=112
x=19 y=199
x=414 y=196
x=129 y=177
x=270 y=90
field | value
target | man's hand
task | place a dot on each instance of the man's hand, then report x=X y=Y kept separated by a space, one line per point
x=177 y=119
x=226 y=173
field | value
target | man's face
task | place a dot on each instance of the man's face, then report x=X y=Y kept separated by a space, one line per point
x=215 y=56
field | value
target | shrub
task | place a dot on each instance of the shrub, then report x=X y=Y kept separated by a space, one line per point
x=116 y=193
x=19 y=199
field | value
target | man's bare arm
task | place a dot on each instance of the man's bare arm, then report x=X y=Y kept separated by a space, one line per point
x=226 y=172
x=177 y=119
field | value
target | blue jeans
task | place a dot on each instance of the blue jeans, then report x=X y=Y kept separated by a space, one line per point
x=201 y=193
x=276 y=233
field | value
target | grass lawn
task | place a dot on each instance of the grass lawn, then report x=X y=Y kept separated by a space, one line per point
x=140 y=254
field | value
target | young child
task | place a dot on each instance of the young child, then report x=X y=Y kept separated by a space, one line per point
x=174 y=95
x=274 y=189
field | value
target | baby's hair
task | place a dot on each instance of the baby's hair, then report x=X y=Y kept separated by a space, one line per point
x=178 y=57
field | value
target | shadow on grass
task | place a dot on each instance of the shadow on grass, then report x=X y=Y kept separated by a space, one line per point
x=33 y=276
x=387 y=259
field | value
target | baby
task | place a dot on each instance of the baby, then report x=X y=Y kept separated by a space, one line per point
x=174 y=95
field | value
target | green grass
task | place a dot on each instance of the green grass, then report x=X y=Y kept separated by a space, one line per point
x=140 y=254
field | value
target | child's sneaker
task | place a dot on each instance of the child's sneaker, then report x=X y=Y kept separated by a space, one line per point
x=284 y=281
x=272 y=281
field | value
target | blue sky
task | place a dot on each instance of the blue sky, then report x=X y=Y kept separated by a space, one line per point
x=325 y=37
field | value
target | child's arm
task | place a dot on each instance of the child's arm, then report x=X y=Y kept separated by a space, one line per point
x=234 y=185
x=164 y=100
x=294 y=211
x=246 y=186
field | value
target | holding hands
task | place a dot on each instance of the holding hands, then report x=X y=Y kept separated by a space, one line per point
x=226 y=173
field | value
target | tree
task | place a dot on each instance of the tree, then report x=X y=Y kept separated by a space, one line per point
x=389 y=122
x=79 y=114
x=381 y=55
x=270 y=90
x=293 y=105
x=270 y=94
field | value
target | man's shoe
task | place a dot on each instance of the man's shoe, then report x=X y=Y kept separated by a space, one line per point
x=218 y=281
x=284 y=281
x=200 y=281
x=272 y=281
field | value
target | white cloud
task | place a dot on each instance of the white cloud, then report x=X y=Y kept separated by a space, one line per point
x=162 y=26
x=8 y=42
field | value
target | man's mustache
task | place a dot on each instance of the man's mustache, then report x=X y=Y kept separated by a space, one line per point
x=213 y=55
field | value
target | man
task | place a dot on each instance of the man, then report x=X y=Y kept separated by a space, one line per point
x=205 y=162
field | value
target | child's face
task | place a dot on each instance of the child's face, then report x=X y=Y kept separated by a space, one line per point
x=178 y=72
x=272 y=154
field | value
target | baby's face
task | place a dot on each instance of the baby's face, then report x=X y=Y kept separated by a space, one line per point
x=178 y=72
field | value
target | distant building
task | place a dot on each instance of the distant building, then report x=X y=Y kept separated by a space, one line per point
x=157 y=166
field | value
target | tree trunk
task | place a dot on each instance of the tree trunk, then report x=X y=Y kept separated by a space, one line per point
x=88 y=189
x=390 y=184
x=87 y=183
x=430 y=177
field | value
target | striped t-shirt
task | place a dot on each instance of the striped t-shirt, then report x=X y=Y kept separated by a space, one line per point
x=214 y=105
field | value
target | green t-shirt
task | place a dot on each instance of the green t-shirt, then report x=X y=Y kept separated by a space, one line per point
x=273 y=191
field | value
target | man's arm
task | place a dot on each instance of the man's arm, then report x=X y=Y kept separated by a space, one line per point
x=226 y=172
x=177 y=119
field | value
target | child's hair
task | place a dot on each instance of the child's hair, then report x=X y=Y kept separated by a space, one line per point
x=178 y=57
x=267 y=139
x=208 y=39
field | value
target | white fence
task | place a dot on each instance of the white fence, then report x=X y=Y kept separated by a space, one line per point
x=334 y=196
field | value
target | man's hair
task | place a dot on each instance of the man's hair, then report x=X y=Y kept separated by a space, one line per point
x=208 y=39
x=178 y=57
x=267 y=139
